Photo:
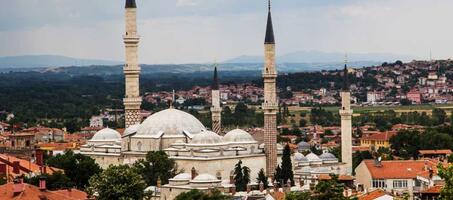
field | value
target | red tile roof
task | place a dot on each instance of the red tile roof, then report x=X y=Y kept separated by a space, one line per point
x=25 y=166
x=383 y=136
x=340 y=178
x=433 y=190
x=373 y=195
x=31 y=192
x=430 y=152
x=404 y=169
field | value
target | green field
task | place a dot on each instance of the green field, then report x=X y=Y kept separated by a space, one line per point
x=366 y=109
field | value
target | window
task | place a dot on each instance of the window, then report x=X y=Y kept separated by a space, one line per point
x=379 y=183
x=400 y=184
x=139 y=145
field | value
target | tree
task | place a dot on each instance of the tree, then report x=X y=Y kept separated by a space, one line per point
x=239 y=177
x=446 y=173
x=298 y=196
x=278 y=173
x=117 y=182
x=199 y=195
x=54 y=181
x=439 y=116
x=77 y=167
x=330 y=189
x=156 y=165
x=406 y=144
x=302 y=123
x=287 y=167
x=246 y=175
x=262 y=178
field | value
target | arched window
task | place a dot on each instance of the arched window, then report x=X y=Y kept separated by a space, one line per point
x=139 y=145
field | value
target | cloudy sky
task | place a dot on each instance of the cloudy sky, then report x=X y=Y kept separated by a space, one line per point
x=195 y=31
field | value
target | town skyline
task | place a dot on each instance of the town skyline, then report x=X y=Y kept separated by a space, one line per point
x=225 y=30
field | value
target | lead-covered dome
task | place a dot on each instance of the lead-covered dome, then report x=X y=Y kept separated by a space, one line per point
x=106 y=135
x=206 y=138
x=303 y=146
x=170 y=122
x=312 y=157
x=326 y=156
x=298 y=156
x=238 y=136
x=205 y=178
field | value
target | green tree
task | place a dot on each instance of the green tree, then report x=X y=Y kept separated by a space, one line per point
x=330 y=189
x=287 y=167
x=77 y=167
x=156 y=165
x=446 y=173
x=439 y=116
x=118 y=182
x=239 y=177
x=298 y=196
x=54 y=181
x=262 y=178
x=199 y=195
x=302 y=123
x=406 y=144
x=278 y=173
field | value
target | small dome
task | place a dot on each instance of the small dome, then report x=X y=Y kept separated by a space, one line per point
x=170 y=122
x=327 y=156
x=182 y=176
x=205 y=178
x=206 y=138
x=298 y=156
x=238 y=136
x=106 y=134
x=303 y=146
x=312 y=157
x=131 y=130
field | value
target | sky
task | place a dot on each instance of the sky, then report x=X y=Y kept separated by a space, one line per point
x=203 y=31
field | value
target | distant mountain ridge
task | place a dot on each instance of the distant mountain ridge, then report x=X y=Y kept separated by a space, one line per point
x=325 y=57
x=39 y=61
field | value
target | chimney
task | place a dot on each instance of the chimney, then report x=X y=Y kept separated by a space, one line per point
x=2 y=169
x=231 y=177
x=39 y=157
x=261 y=186
x=249 y=188
x=193 y=173
x=42 y=183
x=159 y=182
x=16 y=165
x=18 y=187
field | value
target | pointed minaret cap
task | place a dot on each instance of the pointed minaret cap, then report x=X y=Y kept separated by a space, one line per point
x=130 y=4
x=269 y=39
x=345 y=78
x=215 y=81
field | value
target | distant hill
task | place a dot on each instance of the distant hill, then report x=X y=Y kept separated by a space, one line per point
x=40 y=61
x=324 y=57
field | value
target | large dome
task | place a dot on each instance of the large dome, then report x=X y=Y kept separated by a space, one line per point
x=238 y=136
x=206 y=138
x=106 y=135
x=170 y=122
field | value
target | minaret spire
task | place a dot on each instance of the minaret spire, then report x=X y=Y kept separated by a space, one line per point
x=269 y=39
x=270 y=104
x=345 y=75
x=132 y=100
x=216 y=109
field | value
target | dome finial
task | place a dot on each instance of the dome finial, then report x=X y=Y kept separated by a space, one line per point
x=269 y=5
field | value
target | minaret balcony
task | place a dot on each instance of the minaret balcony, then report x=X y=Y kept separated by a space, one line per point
x=216 y=109
x=133 y=39
x=131 y=70
x=132 y=100
x=269 y=75
x=270 y=106
x=346 y=112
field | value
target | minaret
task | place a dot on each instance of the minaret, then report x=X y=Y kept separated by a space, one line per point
x=132 y=100
x=270 y=105
x=346 y=123
x=216 y=110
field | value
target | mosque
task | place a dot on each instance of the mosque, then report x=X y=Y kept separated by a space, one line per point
x=193 y=146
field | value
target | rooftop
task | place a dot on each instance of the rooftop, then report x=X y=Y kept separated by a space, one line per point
x=397 y=169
